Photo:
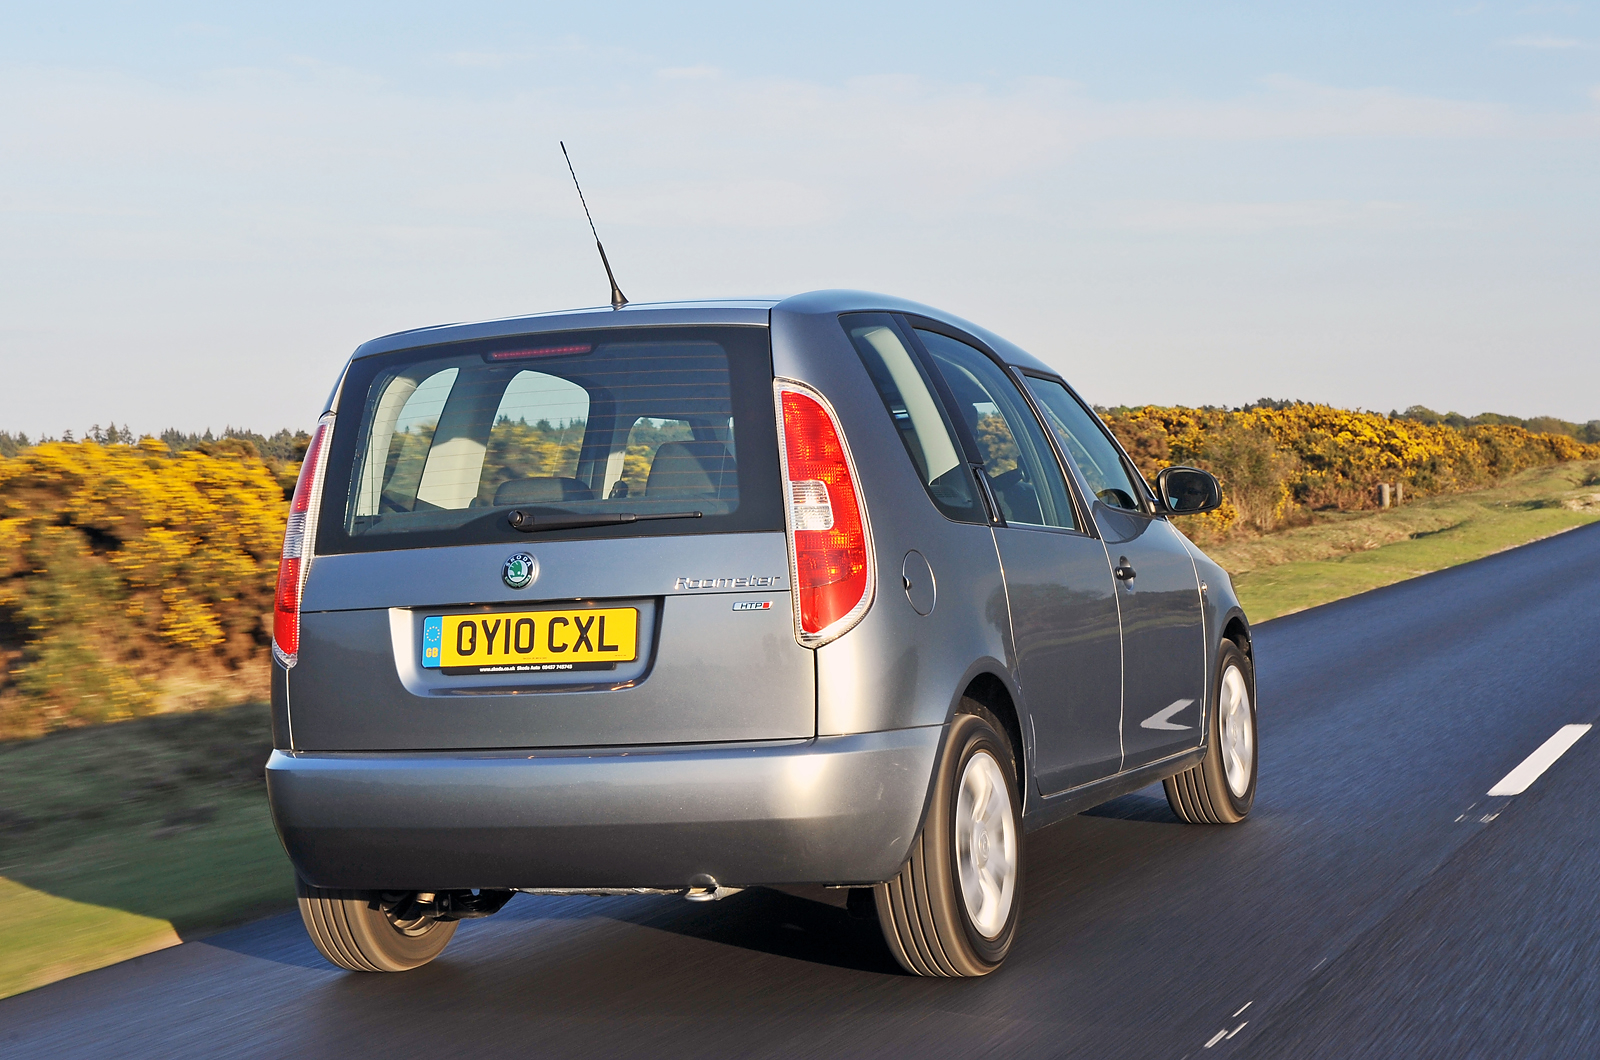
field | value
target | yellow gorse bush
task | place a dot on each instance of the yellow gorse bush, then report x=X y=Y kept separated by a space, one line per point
x=136 y=579
x=132 y=578
x=1274 y=461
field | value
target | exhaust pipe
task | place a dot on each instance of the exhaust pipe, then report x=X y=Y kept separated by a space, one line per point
x=702 y=888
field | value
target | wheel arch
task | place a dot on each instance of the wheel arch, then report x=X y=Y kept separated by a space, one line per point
x=987 y=688
x=1236 y=627
x=986 y=682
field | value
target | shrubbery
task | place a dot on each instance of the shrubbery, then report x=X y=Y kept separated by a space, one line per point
x=134 y=579
x=137 y=578
x=1584 y=432
x=1279 y=460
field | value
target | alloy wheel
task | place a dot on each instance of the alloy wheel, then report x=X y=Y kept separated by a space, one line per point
x=1238 y=731
x=986 y=844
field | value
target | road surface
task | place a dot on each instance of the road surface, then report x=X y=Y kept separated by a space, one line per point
x=1377 y=903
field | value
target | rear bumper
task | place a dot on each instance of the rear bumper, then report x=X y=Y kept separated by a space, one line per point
x=839 y=809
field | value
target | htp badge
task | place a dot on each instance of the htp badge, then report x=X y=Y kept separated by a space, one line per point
x=520 y=570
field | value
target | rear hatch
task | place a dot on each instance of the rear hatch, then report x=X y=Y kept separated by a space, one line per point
x=565 y=539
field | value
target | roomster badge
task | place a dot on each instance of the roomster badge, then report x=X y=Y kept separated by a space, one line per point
x=520 y=570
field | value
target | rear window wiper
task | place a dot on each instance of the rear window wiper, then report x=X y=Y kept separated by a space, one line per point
x=529 y=523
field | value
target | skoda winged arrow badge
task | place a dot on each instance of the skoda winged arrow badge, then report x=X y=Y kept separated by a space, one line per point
x=520 y=570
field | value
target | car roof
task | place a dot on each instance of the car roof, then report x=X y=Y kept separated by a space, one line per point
x=745 y=311
x=634 y=314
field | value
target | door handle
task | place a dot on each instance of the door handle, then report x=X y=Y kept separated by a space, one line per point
x=1124 y=570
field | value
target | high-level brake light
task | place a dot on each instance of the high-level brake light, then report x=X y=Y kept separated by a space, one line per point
x=830 y=540
x=299 y=541
x=541 y=351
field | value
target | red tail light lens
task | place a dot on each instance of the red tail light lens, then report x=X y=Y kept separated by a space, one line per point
x=299 y=540
x=830 y=540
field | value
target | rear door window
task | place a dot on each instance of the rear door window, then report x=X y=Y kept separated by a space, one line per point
x=437 y=445
x=916 y=413
x=1023 y=473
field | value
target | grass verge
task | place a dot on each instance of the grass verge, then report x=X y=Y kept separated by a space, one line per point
x=1348 y=553
x=121 y=839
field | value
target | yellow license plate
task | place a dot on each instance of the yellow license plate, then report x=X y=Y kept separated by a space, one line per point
x=509 y=642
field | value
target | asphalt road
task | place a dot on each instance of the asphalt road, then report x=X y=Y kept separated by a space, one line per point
x=1376 y=904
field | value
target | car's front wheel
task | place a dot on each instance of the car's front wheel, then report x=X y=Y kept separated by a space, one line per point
x=953 y=908
x=1222 y=788
x=369 y=931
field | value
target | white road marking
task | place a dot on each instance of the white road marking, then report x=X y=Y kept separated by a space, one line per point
x=1237 y=1029
x=1158 y=720
x=1217 y=1037
x=1247 y=1004
x=1532 y=768
x=1491 y=810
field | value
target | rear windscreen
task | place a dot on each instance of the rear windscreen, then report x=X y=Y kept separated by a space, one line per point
x=670 y=426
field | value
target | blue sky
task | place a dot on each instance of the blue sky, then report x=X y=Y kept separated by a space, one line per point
x=203 y=208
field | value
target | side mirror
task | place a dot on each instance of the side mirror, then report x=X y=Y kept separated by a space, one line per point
x=1188 y=490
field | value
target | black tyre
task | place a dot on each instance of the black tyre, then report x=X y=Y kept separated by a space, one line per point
x=953 y=908
x=367 y=931
x=1222 y=788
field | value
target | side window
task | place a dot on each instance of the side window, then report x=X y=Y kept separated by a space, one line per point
x=537 y=433
x=1083 y=436
x=1022 y=469
x=916 y=414
x=401 y=433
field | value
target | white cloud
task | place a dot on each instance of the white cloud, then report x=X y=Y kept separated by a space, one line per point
x=1254 y=217
x=689 y=73
x=343 y=150
x=484 y=60
x=203 y=29
x=1292 y=109
x=928 y=133
x=1546 y=42
x=287 y=213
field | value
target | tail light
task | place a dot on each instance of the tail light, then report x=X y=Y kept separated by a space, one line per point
x=830 y=540
x=299 y=541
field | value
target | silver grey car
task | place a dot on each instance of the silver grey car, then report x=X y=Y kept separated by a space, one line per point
x=837 y=591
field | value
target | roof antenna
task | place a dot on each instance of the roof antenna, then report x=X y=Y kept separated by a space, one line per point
x=618 y=299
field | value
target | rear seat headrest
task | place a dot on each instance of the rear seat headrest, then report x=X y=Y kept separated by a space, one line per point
x=692 y=469
x=550 y=490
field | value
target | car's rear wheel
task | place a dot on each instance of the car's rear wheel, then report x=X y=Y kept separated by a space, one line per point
x=370 y=931
x=953 y=908
x=1222 y=788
